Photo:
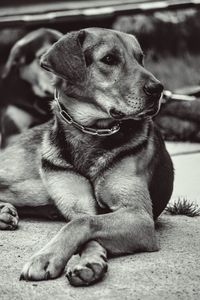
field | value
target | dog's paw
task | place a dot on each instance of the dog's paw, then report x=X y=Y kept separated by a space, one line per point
x=43 y=266
x=87 y=272
x=8 y=217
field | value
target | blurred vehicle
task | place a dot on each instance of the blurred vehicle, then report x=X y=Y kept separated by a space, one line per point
x=30 y=12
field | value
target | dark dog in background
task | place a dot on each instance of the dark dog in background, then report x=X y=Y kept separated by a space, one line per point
x=25 y=88
x=100 y=160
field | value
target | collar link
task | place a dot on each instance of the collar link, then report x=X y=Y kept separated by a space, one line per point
x=88 y=130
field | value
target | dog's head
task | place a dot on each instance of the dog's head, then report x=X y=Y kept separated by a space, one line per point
x=25 y=58
x=104 y=70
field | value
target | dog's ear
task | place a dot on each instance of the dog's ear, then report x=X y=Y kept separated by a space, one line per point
x=66 y=59
x=16 y=58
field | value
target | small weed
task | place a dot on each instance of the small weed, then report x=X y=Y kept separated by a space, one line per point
x=183 y=207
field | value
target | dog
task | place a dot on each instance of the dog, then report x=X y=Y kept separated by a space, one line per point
x=25 y=88
x=100 y=160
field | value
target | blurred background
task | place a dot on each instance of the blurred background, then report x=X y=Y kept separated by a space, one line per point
x=169 y=32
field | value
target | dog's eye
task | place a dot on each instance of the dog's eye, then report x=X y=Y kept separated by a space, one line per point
x=110 y=60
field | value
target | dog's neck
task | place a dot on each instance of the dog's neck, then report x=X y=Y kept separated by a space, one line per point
x=85 y=114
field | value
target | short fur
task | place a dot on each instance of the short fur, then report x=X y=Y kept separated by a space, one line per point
x=110 y=189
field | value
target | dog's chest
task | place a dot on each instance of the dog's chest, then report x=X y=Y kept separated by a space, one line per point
x=89 y=157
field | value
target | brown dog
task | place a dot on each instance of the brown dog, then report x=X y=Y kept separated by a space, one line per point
x=100 y=161
x=24 y=85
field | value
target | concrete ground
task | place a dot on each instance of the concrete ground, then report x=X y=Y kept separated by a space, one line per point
x=171 y=273
x=186 y=158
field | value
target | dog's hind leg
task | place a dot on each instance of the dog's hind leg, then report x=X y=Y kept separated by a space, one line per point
x=28 y=193
x=8 y=213
x=8 y=216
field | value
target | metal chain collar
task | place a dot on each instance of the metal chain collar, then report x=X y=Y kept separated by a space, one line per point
x=67 y=118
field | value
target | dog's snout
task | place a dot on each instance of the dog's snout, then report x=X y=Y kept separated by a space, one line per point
x=152 y=88
x=116 y=114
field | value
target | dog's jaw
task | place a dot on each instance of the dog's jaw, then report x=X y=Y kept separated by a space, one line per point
x=63 y=114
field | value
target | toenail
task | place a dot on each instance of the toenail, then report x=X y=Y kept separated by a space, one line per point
x=21 y=277
x=106 y=268
x=69 y=274
x=47 y=275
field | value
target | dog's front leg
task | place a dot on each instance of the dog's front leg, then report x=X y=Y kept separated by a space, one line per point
x=91 y=267
x=124 y=231
x=128 y=229
x=73 y=196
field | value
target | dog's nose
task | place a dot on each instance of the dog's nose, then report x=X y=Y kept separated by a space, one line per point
x=116 y=114
x=152 y=88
